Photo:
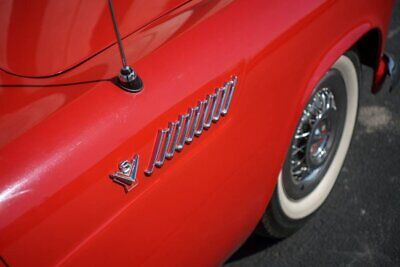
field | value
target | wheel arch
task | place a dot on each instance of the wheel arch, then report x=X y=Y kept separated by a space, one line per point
x=364 y=38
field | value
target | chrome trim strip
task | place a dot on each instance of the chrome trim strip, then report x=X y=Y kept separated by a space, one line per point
x=193 y=122
x=175 y=129
x=203 y=111
x=232 y=85
x=211 y=98
x=221 y=95
x=161 y=158
x=182 y=137
x=156 y=151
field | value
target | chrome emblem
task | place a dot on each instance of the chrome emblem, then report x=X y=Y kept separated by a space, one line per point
x=126 y=176
x=191 y=124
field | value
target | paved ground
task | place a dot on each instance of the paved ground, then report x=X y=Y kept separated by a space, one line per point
x=360 y=222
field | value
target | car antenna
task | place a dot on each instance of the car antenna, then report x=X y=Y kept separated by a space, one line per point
x=127 y=78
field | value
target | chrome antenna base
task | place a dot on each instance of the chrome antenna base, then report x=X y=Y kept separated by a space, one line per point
x=129 y=80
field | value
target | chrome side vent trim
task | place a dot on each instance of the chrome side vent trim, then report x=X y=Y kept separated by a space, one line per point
x=194 y=118
x=156 y=151
x=231 y=85
x=212 y=99
x=175 y=128
x=185 y=128
x=191 y=124
x=221 y=95
x=203 y=105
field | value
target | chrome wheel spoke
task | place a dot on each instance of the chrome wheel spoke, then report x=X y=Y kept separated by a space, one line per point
x=312 y=135
x=302 y=135
x=298 y=149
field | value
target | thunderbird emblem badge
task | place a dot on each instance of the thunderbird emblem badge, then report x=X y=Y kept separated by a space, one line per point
x=126 y=176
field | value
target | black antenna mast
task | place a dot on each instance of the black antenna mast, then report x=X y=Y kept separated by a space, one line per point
x=127 y=78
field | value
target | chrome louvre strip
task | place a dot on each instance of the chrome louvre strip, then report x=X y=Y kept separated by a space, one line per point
x=185 y=127
x=175 y=128
x=161 y=158
x=213 y=99
x=221 y=95
x=232 y=86
x=203 y=113
x=193 y=122
x=156 y=152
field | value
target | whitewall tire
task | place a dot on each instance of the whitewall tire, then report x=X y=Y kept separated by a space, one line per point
x=318 y=150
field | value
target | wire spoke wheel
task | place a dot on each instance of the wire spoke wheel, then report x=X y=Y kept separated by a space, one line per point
x=316 y=138
x=317 y=150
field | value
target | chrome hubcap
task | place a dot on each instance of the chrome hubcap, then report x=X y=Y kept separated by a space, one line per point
x=314 y=136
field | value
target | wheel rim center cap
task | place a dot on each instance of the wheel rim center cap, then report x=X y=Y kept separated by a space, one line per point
x=318 y=148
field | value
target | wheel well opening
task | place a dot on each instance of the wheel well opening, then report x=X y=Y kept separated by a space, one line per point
x=368 y=48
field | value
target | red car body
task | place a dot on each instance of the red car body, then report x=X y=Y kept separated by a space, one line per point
x=64 y=127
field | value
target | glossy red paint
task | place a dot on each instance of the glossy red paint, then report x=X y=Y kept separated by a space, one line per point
x=58 y=144
x=48 y=37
